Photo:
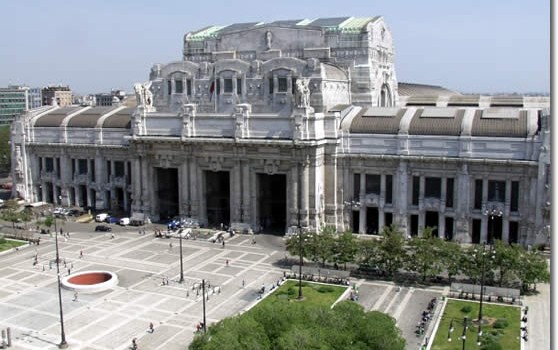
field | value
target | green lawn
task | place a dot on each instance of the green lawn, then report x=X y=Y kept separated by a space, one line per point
x=495 y=315
x=313 y=293
x=6 y=244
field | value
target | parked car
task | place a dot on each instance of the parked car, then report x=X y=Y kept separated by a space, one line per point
x=124 y=221
x=103 y=228
x=101 y=217
x=112 y=220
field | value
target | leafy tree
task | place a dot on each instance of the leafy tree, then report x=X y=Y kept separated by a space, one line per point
x=473 y=263
x=322 y=245
x=293 y=244
x=14 y=214
x=452 y=258
x=367 y=251
x=346 y=248
x=507 y=261
x=533 y=269
x=391 y=251
x=425 y=254
x=287 y=326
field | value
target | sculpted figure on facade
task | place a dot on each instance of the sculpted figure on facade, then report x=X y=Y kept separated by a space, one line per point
x=19 y=163
x=268 y=38
x=144 y=95
x=303 y=92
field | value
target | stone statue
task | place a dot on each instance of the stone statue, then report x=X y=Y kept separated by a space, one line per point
x=144 y=96
x=303 y=92
x=18 y=163
x=268 y=37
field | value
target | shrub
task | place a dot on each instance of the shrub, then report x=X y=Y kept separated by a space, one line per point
x=291 y=291
x=466 y=309
x=2 y=239
x=325 y=289
x=500 y=323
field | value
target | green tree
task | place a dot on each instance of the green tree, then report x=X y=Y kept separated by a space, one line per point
x=391 y=252
x=322 y=245
x=346 y=248
x=507 y=261
x=452 y=258
x=367 y=251
x=294 y=244
x=533 y=269
x=474 y=260
x=13 y=213
x=425 y=254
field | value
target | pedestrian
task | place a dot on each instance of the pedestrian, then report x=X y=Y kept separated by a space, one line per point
x=80 y=255
x=170 y=246
x=227 y=262
x=112 y=236
x=151 y=329
x=50 y=264
x=75 y=296
x=243 y=283
x=134 y=344
x=253 y=240
x=223 y=244
x=69 y=271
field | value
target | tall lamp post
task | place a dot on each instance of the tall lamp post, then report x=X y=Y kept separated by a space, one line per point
x=181 y=265
x=482 y=254
x=203 y=303
x=463 y=335
x=63 y=343
x=491 y=214
x=300 y=257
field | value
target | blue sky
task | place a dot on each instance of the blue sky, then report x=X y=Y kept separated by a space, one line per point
x=483 y=46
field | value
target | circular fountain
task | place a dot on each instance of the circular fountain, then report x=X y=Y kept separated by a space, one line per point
x=90 y=281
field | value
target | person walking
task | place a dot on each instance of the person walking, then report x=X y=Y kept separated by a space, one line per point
x=170 y=247
x=81 y=254
x=227 y=262
x=243 y=283
x=134 y=344
x=75 y=296
x=151 y=329
x=223 y=244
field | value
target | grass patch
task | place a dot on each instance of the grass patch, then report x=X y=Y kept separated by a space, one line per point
x=500 y=331
x=6 y=244
x=313 y=293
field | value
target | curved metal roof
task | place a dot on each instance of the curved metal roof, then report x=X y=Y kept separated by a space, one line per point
x=54 y=119
x=512 y=125
x=120 y=119
x=449 y=124
x=377 y=121
x=88 y=118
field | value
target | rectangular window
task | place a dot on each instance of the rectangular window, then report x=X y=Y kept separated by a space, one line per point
x=82 y=166
x=282 y=85
x=129 y=177
x=373 y=184
x=514 y=232
x=119 y=169
x=496 y=191
x=239 y=86
x=178 y=86
x=433 y=187
x=448 y=235
x=416 y=190
x=49 y=164
x=270 y=86
x=356 y=186
x=414 y=225
x=449 y=193
x=514 y=200
x=169 y=87
x=389 y=189
x=478 y=194
x=58 y=169
x=92 y=165
x=228 y=85
x=189 y=87
x=388 y=219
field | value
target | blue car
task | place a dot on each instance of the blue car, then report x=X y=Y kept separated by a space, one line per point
x=112 y=220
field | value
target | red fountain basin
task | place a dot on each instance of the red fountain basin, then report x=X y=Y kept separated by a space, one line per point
x=90 y=281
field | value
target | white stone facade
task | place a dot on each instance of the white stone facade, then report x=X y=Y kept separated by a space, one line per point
x=283 y=124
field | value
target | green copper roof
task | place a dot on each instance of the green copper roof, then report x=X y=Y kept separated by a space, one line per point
x=336 y=24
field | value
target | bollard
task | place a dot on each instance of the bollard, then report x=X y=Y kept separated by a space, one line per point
x=9 y=336
x=3 y=343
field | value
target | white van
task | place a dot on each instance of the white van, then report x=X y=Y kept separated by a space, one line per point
x=124 y=221
x=101 y=217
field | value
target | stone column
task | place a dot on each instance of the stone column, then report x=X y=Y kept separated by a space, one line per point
x=294 y=195
x=184 y=195
x=461 y=202
x=362 y=200
x=304 y=192
x=136 y=184
x=202 y=209
x=422 y=212
x=236 y=195
x=246 y=203
x=401 y=196
x=506 y=216
x=442 y=211
x=194 y=193
x=485 y=218
x=441 y=225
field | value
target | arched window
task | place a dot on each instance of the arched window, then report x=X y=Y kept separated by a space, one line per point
x=385 y=96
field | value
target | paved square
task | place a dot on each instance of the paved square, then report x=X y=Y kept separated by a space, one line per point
x=111 y=319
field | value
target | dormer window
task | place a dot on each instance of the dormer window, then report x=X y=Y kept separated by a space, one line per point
x=228 y=85
x=282 y=84
x=281 y=81
x=178 y=86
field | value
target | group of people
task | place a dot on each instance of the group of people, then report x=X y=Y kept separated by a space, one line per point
x=524 y=333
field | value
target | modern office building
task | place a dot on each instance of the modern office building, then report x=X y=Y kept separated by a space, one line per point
x=13 y=101
x=298 y=123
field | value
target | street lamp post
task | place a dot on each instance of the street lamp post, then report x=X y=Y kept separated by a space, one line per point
x=483 y=254
x=203 y=303
x=300 y=257
x=181 y=265
x=464 y=336
x=63 y=343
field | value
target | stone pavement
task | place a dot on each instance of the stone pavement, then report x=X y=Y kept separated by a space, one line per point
x=111 y=319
